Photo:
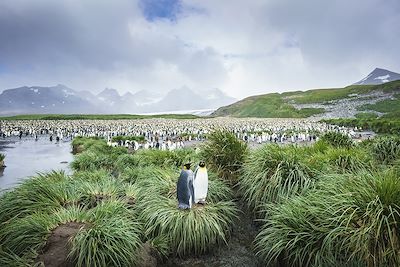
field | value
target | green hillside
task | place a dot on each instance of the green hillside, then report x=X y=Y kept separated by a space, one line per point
x=269 y=105
x=276 y=105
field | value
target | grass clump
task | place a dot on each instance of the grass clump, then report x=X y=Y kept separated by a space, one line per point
x=164 y=158
x=113 y=238
x=192 y=231
x=42 y=193
x=97 y=158
x=104 y=189
x=108 y=233
x=91 y=161
x=224 y=154
x=273 y=174
x=80 y=144
x=343 y=160
x=349 y=220
x=186 y=232
x=337 y=139
x=386 y=149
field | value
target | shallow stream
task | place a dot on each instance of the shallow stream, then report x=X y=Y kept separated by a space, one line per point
x=27 y=157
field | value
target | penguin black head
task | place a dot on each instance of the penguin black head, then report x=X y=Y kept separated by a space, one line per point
x=202 y=163
x=187 y=165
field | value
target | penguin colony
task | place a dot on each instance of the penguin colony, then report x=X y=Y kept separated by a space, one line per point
x=170 y=134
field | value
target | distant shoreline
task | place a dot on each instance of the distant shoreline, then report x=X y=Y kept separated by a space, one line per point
x=96 y=117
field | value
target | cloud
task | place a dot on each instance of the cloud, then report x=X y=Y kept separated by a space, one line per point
x=241 y=47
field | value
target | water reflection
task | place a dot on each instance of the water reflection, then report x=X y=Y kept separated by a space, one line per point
x=26 y=157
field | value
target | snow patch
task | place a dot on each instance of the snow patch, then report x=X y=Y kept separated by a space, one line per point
x=42 y=106
x=383 y=78
x=67 y=93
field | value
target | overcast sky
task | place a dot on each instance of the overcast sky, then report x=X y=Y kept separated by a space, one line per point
x=243 y=47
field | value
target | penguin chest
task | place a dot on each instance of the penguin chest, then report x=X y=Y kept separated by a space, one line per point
x=201 y=184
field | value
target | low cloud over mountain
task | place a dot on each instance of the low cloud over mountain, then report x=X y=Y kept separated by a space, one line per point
x=61 y=99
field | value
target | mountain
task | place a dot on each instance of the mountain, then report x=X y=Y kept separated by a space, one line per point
x=379 y=76
x=186 y=99
x=144 y=97
x=216 y=98
x=180 y=99
x=125 y=104
x=348 y=102
x=61 y=99
x=109 y=97
x=37 y=99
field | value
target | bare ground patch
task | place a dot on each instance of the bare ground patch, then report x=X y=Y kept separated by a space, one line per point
x=58 y=246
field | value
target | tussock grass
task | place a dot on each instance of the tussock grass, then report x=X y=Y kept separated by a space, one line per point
x=104 y=189
x=191 y=231
x=164 y=158
x=273 y=174
x=113 y=238
x=92 y=161
x=347 y=160
x=186 y=232
x=108 y=192
x=41 y=193
x=337 y=139
x=163 y=183
x=137 y=174
x=126 y=161
x=8 y=258
x=350 y=219
x=91 y=176
x=224 y=154
x=24 y=235
x=81 y=144
x=386 y=149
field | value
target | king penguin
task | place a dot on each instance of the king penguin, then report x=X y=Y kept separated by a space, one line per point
x=200 y=183
x=184 y=189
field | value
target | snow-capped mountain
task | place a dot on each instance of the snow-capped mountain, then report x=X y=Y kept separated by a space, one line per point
x=37 y=99
x=109 y=97
x=61 y=99
x=379 y=76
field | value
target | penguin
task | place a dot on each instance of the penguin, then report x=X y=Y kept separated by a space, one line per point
x=184 y=188
x=200 y=183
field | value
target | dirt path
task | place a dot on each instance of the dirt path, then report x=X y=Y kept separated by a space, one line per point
x=238 y=252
